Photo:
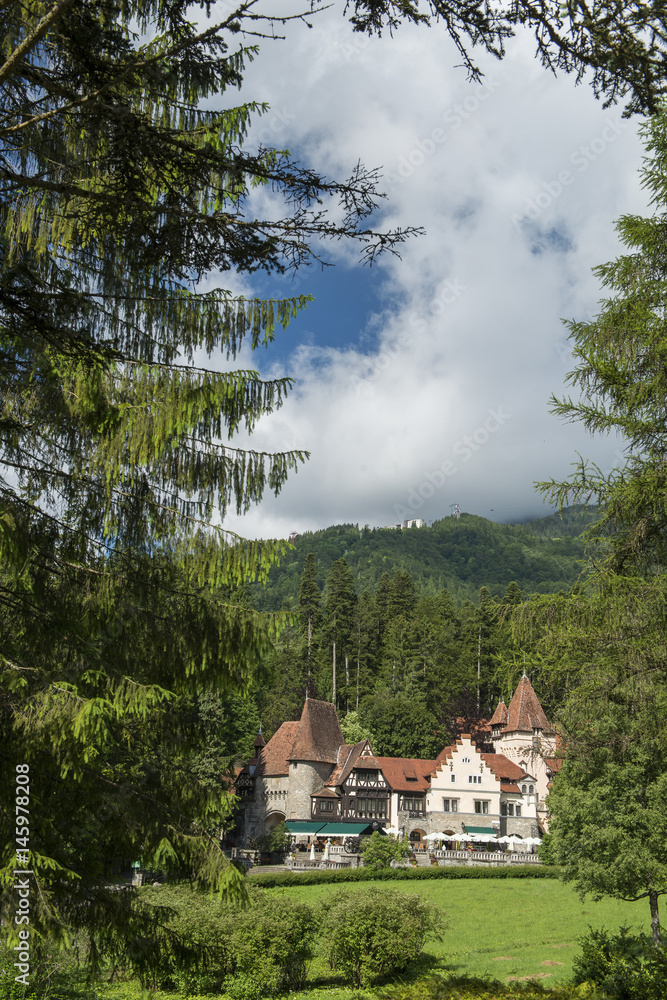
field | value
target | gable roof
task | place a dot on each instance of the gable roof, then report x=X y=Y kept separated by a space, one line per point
x=318 y=735
x=398 y=771
x=525 y=712
x=503 y=767
x=274 y=757
x=351 y=755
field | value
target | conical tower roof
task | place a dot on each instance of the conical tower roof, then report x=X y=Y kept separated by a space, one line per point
x=499 y=717
x=318 y=736
x=525 y=712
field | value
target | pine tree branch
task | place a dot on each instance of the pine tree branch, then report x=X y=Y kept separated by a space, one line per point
x=34 y=37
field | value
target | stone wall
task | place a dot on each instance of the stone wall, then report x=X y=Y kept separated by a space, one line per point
x=305 y=777
x=520 y=826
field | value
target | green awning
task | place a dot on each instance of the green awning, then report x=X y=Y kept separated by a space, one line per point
x=295 y=826
x=345 y=829
x=481 y=830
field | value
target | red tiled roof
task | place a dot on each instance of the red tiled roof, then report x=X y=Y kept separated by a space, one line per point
x=397 y=769
x=525 y=712
x=325 y=793
x=349 y=757
x=318 y=735
x=499 y=717
x=508 y=786
x=274 y=757
x=503 y=768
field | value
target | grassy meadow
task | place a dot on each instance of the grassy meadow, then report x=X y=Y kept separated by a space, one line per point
x=517 y=932
x=508 y=928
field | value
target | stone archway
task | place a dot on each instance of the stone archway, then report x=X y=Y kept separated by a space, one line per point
x=417 y=837
x=273 y=820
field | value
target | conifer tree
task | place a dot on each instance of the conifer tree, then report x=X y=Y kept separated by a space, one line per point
x=620 y=375
x=310 y=599
x=340 y=606
x=119 y=597
x=608 y=800
x=619 y=46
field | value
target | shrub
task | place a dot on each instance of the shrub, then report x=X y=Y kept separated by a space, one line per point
x=625 y=966
x=272 y=944
x=274 y=880
x=376 y=933
x=379 y=850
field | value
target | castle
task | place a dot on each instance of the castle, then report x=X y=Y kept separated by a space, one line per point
x=308 y=777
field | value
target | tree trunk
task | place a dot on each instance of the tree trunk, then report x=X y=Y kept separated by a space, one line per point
x=655 y=916
x=479 y=664
x=357 y=682
x=334 y=673
x=310 y=636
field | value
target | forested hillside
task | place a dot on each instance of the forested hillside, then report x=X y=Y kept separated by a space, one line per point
x=409 y=632
x=461 y=554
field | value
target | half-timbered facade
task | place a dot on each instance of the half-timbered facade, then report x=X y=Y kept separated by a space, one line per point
x=308 y=777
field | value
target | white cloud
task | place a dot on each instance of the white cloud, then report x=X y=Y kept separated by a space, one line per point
x=518 y=184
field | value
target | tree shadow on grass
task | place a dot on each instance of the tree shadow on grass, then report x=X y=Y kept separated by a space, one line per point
x=449 y=987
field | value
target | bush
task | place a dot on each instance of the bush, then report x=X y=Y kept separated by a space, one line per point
x=272 y=945
x=625 y=966
x=379 y=850
x=376 y=933
x=279 y=840
x=249 y=954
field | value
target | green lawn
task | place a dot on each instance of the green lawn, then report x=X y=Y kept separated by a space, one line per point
x=509 y=927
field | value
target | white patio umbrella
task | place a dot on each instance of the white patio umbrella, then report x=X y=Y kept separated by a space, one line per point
x=392 y=831
x=462 y=837
x=312 y=851
x=327 y=848
x=434 y=836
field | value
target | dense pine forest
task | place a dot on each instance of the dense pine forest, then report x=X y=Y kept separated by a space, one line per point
x=411 y=632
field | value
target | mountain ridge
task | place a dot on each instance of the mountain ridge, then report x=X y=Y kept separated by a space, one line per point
x=462 y=553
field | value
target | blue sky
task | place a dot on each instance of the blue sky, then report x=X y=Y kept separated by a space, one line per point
x=425 y=382
x=341 y=315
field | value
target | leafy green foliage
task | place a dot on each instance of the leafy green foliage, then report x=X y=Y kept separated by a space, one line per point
x=371 y=935
x=608 y=827
x=272 y=880
x=279 y=839
x=624 y=966
x=379 y=850
x=541 y=556
x=400 y=727
x=262 y=949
